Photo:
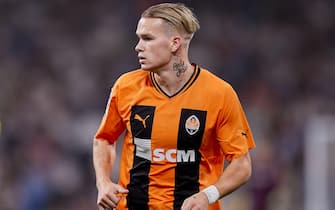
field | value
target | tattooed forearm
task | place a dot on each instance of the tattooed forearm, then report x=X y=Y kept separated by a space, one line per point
x=179 y=68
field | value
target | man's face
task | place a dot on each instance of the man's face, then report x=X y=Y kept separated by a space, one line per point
x=154 y=45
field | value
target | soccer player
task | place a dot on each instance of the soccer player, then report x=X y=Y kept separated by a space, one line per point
x=181 y=123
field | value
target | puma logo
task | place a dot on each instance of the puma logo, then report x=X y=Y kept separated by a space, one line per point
x=139 y=118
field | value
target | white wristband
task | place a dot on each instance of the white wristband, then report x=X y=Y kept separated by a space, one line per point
x=212 y=193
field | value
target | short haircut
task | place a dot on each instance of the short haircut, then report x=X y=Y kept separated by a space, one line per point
x=176 y=14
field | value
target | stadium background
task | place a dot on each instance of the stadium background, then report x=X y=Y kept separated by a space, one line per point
x=59 y=58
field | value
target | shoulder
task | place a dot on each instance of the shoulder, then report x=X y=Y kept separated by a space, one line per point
x=219 y=90
x=213 y=82
x=135 y=77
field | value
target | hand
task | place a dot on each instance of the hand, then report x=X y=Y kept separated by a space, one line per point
x=109 y=195
x=198 y=201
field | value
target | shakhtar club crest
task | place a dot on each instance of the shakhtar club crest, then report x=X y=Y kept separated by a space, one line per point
x=192 y=125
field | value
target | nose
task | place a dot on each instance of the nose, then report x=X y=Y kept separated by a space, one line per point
x=139 y=47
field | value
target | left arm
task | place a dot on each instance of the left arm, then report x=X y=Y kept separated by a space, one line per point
x=235 y=175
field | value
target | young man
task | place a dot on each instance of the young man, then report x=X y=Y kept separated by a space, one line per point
x=181 y=123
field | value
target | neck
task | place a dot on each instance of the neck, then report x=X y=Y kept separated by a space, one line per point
x=173 y=79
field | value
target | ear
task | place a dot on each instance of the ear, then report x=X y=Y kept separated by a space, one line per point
x=175 y=43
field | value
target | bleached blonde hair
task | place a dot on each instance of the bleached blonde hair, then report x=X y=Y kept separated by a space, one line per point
x=176 y=14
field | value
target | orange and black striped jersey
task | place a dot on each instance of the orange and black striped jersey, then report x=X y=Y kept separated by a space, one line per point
x=176 y=145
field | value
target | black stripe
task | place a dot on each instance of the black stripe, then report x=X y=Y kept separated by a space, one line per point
x=152 y=77
x=187 y=173
x=138 y=186
x=195 y=78
x=158 y=88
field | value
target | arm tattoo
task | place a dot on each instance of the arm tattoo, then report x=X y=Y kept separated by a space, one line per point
x=179 y=68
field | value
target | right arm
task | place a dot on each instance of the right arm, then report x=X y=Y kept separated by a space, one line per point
x=103 y=159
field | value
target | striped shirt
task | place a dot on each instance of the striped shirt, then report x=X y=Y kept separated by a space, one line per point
x=174 y=146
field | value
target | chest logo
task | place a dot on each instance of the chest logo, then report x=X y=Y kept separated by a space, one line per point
x=139 y=118
x=192 y=125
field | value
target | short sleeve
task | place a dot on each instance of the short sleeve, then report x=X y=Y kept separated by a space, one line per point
x=233 y=132
x=111 y=125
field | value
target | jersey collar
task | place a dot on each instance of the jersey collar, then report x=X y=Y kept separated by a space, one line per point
x=188 y=84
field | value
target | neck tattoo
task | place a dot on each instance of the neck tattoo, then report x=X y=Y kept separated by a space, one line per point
x=179 y=68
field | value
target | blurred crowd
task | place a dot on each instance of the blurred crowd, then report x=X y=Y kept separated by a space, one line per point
x=59 y=59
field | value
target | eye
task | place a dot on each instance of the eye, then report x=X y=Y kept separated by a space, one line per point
x=147 y=38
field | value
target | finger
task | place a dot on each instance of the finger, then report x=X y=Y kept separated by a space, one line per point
x=109 y=203
x=122 y=190
x=102 y=206
x=102 y=201
x=189 y=203
x=122 y=193
x=114 y=198
x=185 y=205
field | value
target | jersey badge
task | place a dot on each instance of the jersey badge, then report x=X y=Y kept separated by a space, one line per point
x=192 y=125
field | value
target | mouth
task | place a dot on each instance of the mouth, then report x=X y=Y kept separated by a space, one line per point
x=141 y=59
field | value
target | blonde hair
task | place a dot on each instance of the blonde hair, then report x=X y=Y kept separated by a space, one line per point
x=176 y=14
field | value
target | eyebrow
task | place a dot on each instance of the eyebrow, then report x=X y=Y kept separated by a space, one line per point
x=144 y=35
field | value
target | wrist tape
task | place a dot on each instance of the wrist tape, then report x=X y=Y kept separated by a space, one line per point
x=212 y=193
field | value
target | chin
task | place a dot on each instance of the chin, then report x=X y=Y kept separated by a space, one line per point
x=146 y=67
x=151 y=68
